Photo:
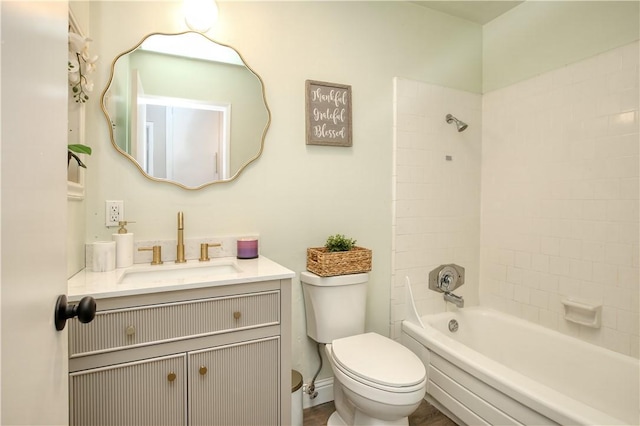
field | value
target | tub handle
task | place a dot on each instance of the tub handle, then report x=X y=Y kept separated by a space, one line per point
x=446 y=278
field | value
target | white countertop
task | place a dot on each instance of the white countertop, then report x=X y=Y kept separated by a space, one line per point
x=108 y=284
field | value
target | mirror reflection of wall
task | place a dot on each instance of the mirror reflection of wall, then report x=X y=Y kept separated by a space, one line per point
x=142 y=78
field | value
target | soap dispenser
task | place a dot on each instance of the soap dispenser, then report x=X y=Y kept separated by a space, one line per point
x=124 y=246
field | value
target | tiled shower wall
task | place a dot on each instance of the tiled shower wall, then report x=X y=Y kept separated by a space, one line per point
x=560 y=169
x=559 y=160
x=436 y=192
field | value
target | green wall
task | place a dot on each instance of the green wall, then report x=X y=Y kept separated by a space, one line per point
x=294 y=195
x=539 y=36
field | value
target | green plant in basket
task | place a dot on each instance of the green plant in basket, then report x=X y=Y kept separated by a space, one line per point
x=339 y=242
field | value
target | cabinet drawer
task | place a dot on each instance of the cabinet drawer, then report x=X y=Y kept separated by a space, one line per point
x=145 y=325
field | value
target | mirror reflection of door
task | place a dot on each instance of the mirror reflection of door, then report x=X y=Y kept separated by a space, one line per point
x=194 y=148
x=182 y=140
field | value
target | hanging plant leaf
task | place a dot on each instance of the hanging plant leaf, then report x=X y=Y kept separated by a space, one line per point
x=79 y=148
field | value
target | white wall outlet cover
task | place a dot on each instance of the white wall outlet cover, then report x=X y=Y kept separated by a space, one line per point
x=114 y=212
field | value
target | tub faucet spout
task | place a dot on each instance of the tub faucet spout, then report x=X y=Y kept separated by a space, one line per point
x=456 y=300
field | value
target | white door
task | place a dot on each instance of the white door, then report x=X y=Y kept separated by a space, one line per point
x=194 y=130
x=33 y=211
x=138 y=120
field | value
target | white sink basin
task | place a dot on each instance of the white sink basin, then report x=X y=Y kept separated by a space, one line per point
x=196 y=272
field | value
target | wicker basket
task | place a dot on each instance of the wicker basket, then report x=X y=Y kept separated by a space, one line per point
x=327 y=264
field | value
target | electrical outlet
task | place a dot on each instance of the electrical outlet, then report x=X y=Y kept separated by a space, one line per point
x=114 y=212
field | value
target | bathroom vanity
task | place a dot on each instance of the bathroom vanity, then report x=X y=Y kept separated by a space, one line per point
x=183 y=345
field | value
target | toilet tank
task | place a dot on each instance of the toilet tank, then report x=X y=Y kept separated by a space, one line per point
x=334 y=306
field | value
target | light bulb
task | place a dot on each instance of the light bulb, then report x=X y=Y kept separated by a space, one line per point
x=200 y=15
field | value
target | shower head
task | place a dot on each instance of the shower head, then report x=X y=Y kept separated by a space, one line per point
x=461 y=125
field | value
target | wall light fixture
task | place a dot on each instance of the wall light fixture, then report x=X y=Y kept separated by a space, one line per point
x=200 y=15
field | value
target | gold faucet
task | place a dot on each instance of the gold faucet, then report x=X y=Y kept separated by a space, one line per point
x=204 y=251
x=180 y=249
x=157 y=254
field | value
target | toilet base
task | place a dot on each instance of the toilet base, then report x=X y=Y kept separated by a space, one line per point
x=361 y=420
x=335 y=420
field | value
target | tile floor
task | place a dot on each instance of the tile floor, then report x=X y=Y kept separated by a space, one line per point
x=426 y=414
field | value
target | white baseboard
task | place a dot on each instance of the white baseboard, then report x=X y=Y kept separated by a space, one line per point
x=324 y=388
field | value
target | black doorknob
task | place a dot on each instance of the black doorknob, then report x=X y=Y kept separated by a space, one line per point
x=85 y=310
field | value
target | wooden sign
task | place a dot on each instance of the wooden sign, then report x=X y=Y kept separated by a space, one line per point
x=328 y=114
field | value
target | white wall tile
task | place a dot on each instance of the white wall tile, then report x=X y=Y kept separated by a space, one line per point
x=617 y=341
x=560 y=190
x=437 y=202
x=618 y=254
x=593 y=250
x=540 y=262
x=521 y=294
x=523 y=260
x=549 y=319
x=628 y=277
x=558 y=160
x=539 y=299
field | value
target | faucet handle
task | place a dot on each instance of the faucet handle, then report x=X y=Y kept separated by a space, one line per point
x=157 y=254
x=446 y=278
x=204 y=251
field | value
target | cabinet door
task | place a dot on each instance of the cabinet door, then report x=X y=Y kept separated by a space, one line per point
x=148 y=392
x=235 y=384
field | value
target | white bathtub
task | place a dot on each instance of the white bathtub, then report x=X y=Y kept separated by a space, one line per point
x=497 y=369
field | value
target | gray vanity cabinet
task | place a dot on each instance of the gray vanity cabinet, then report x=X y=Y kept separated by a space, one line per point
x=148 y=392
x=245 y=392
x=209 y=356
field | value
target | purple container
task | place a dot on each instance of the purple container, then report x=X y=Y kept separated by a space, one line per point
x=247 y=248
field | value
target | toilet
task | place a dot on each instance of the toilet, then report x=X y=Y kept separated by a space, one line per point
x=377 y=381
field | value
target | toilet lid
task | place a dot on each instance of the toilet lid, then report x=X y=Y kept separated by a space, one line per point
x=379 y=360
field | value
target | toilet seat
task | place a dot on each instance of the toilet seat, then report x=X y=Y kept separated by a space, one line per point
x=379 y=362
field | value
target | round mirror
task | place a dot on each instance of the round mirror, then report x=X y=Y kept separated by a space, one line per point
x=185 y=109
